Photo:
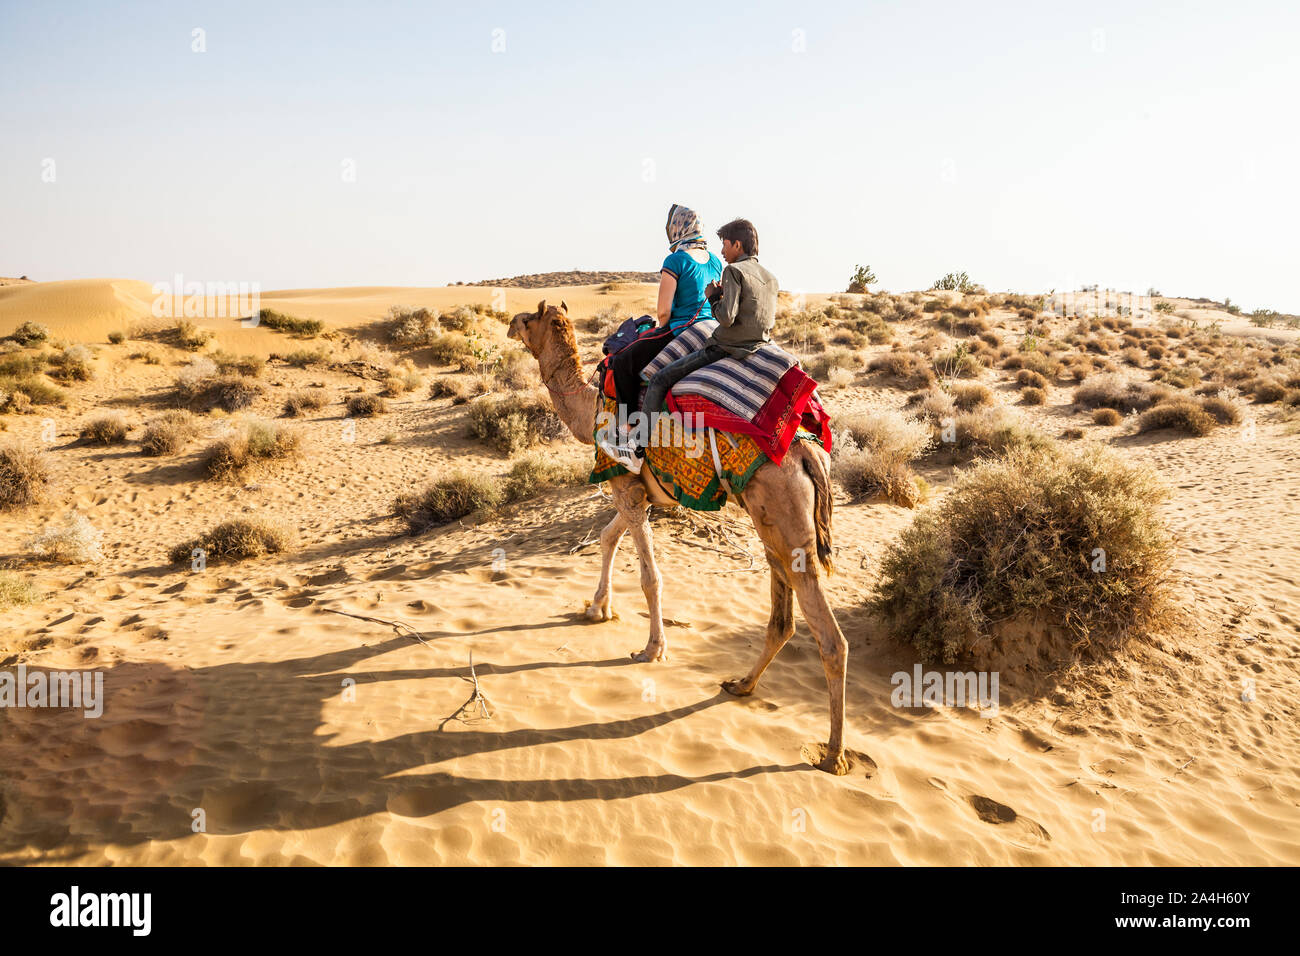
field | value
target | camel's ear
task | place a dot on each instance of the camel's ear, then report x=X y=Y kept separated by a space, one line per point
x=564 y=307
x=541 y=308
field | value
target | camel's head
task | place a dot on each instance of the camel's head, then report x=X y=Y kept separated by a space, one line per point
x=531 y=327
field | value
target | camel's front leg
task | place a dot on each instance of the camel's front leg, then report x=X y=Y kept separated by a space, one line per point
x=602 y=602
x=630 y=500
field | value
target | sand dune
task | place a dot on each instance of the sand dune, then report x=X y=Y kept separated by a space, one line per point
x=231 y=689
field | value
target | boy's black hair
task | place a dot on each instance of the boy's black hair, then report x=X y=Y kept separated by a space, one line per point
x=742 y=231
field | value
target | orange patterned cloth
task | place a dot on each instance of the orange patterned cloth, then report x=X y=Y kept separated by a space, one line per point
x=683 y=462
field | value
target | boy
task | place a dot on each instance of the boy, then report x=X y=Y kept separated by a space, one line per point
x=744 y=305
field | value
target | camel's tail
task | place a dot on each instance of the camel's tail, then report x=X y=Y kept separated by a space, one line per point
x=816 y=467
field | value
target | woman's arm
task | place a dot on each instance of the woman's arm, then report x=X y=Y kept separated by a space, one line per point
x=667 y=289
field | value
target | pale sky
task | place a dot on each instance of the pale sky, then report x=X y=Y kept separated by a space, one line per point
x=1034 y=145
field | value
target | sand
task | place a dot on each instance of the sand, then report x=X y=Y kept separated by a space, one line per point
x=277 y=711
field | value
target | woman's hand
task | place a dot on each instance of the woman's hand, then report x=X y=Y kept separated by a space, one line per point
x=713 y=289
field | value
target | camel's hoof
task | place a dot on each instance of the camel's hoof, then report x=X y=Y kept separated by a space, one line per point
x=597 y=615
x=837 y=764
x=736 y=688
x=648 y=656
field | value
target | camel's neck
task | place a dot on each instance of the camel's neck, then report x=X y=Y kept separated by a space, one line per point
x=573 y=398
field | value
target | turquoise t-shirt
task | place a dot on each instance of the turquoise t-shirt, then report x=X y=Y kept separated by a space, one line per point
x=691 y=277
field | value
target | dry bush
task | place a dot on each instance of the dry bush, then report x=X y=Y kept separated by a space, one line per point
x=1106 y=416
x=146 y=355
x=1027 y=378
x=1132 y=356
x=1181 y=414
x=1017 y=538
x=401 y=380
x=1072 y=434
x=168 y=433
x=1036 y=361
x=839 y=378
x=1033 y=396
x=1115 y=391
x=1268 y=391
x=116 y=338
x=228 y=364
x=304 y=358
x=1224 y=407
x=254 y=445
x=234 y=540
x=911 y=370
x=300 y=401
x=290 y=324
x=190 y=337
x=34 y=391
x=517 y=370
x=411 y=328
x=450 y=348
x=1179 y=377
x=444 y=386
x=957 y=363
x=834 y=358
x=234 y=392
x=73 y=364
x=16 y=591
x=971 y=395
x=537 y=472
x=446 y=500
x=73 y=541
x=989 y=431
x=107 y=429
x=24 y=476
x=515 y=422
x=366 y=406
x=872 y=455
x=936 y=405
x=29 y=334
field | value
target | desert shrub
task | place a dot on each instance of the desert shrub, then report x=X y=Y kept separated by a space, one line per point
x=29 y=334
x=290 y=324
x=444 y=386
x=446 y=500
x=20 y=366
x=936 y=405
x=16 y=591
x=1223 y=408
x=1072 y=434
x=1106 y=416
x=410 y=328
x=1115 y=391
x=1181 y=414
x=835 y=358
x=107 y=429
x=450 y=348
x=189 y=336
x=366 y=405
x=1179 y=377
x=536 y=472
x=234 y=392
x=517 y=370
x=401 y=380
x=1268 y=391
x=168 y=433
x=304 y=400
x=909 y=368
x=988 y=431
x=957 y=363
x=116 y=338
x=256 y=444
x=513 y=423
x=73 y=541
x=1017 y=538
x=1035 y=361
x=304 y=358
x=954 y=281
x=606 y=320
x=1156 y=351
x=235 y=540
x=73 y=364
x=971 y=395
x=228 y=364
x=1033 y=396
x=1028 y=378
x=34 y=391
x=24 y=476
x=872 y=455
x=148 y=356
x=460 y=319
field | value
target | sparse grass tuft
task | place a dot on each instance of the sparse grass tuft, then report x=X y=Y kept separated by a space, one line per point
x=366 y=405
x=168 y=433
x=24 y=476
x=107 y=429
x=446 y=500
x=1106 y=416
x=256 y=444
x=513 y=423
x=303 y=400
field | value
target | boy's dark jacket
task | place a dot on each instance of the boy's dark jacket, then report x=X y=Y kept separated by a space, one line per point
x=746 y=307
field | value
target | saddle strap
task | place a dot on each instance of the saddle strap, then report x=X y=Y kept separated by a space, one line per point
x=717 y=462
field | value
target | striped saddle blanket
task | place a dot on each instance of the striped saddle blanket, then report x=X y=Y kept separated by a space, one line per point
x=739 y=386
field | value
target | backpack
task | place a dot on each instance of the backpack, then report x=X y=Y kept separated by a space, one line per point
x=627 y=333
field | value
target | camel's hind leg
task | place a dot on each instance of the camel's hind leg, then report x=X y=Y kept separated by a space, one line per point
x=780 y=626
x=602 y=602
x=834 y=652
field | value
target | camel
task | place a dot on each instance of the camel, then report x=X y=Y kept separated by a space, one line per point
x=789 y=504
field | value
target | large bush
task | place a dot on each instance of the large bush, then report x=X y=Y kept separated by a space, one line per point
x=1024 y=537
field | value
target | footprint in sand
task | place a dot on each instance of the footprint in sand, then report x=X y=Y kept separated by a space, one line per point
x=1016 y=829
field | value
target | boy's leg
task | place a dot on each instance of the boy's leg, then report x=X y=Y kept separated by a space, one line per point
x=661 y=384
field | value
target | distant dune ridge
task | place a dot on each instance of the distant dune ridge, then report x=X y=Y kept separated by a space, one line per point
x=1181 y=750
x=551 y=280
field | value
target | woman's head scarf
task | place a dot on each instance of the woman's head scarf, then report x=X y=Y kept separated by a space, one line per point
x=684 y=229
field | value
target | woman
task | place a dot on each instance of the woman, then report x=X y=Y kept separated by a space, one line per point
x=683 y=279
